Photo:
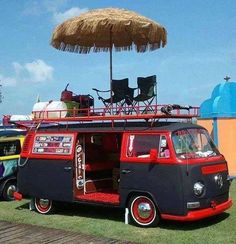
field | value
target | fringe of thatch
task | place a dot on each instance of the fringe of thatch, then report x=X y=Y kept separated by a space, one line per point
x=85 y=50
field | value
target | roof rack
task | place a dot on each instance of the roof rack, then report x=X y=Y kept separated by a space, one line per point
x=150 y=112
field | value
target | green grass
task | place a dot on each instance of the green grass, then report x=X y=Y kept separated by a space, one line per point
x=109 y=222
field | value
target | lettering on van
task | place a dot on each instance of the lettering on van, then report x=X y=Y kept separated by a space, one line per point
x=79 y=166
x=51 y=144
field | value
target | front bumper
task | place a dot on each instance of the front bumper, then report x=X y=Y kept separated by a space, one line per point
x=200 y=214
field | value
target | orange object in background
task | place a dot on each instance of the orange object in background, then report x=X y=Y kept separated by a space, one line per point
x=218 y=116
x=223 y=132
x=227 y=145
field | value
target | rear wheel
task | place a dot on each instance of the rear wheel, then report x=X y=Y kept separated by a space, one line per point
x=43 y=206
x=8 y=191
x=143 y=211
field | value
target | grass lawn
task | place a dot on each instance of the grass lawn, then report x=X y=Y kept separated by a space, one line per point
x=109 y=222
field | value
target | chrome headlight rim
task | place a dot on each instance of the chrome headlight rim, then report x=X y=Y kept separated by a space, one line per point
x=199 y=189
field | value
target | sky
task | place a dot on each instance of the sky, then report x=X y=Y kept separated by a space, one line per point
x=200 y=51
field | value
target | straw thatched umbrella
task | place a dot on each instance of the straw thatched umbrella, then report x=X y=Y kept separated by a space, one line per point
x=108 y=29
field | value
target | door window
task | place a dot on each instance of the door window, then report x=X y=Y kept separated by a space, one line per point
x=140 y=145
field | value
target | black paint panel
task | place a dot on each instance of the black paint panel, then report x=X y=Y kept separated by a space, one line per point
x=163 y=182
x=120 y=126
x=51 y=179
x=213 y=191
x=171 y=186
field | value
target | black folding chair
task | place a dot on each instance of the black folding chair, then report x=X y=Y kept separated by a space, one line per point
x=147 y=93
x=119 y=92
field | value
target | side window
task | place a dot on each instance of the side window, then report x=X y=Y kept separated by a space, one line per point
x=8 y=148
x=140 y=145
x=164 y=151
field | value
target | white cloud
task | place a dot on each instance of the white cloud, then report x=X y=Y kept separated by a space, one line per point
x=34 y=72
x=52 y=6
x=17 y=67
x=38 y=8
x=39 y=71
x=44 y=6
x=7 y=81
x=59 y=17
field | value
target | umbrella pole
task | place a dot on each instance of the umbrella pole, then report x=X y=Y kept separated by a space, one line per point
x=110 y=49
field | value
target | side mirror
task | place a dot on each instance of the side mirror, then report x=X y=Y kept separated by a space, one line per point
x=153 y=155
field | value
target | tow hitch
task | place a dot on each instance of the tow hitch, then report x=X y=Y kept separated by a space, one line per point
x=17 y=196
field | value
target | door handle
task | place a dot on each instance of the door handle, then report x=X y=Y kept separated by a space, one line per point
x=126 y=171
x=67 y=168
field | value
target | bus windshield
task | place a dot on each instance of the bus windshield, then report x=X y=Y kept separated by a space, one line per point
x=193 y=143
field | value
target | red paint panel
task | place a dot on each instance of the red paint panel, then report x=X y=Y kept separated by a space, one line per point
x=200 y=214
x=101 y=197
x=171 y=160
x=27 y=144
x=27 y=151
x=212 y=169
x=147 y=160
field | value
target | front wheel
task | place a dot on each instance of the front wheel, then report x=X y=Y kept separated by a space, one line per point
x=8 y=191
x=143 y=211
x=43 y=206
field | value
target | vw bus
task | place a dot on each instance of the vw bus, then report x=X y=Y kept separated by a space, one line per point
x=11 y=141
x=152 y=170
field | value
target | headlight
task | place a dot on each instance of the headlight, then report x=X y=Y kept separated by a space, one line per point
x=198 y=189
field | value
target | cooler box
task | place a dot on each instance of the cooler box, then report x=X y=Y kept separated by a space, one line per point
x=55 y=109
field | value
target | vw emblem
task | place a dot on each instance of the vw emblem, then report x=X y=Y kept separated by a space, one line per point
x=219 y=180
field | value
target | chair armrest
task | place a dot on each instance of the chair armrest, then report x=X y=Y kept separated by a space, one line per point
x=100 y=90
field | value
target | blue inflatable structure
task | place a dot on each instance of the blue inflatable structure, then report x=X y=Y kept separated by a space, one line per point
x=222 y=103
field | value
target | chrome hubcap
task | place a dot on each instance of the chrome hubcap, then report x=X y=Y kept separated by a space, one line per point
x=144 y=210
x=10 y=191
x=44 y=203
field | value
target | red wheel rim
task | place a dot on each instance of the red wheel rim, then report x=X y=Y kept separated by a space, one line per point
x=43 y=205
x=143 y=210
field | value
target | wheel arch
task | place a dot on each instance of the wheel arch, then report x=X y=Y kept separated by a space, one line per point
x=143 y=193
x=5 y=181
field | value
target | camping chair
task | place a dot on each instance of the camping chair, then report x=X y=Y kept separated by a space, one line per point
x=147 y=93
x=119 y=91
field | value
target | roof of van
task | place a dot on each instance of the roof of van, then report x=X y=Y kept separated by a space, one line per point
x=11 y=132
x=120 y=126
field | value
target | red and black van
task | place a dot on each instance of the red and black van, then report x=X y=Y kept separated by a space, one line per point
x=160 y=170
